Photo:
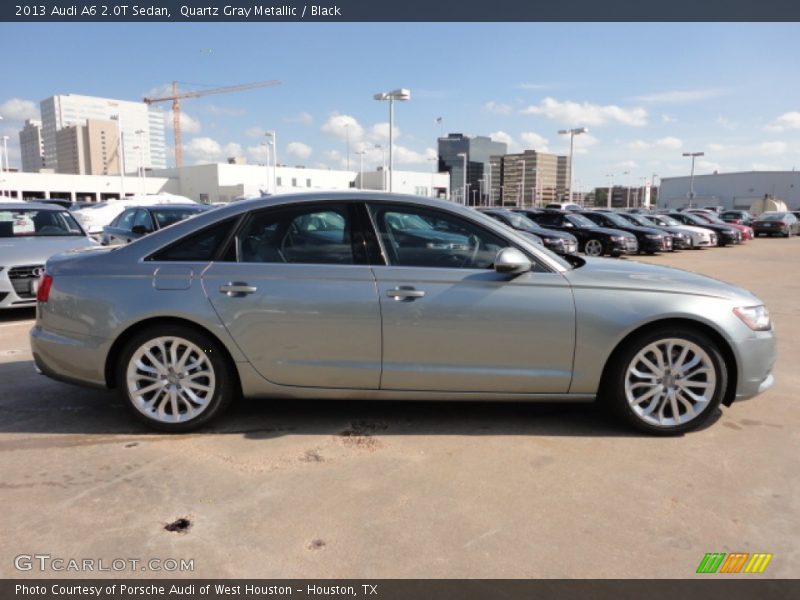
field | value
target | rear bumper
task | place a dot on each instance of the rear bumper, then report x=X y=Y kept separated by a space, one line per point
x=70 y=357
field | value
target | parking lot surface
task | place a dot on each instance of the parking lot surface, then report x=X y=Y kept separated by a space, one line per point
x=384 y=490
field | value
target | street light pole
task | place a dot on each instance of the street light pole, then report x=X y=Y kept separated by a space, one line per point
x=463 y=155
x=610 y=189
x=399 y=94
x=572 y=133
x=691 y=179
x=361 y=154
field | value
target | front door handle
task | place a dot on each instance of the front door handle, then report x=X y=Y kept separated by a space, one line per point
x=237 y=288
x=405 y=293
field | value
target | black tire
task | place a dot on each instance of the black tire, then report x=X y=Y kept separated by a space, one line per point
x=612 y=389
x=226 y=383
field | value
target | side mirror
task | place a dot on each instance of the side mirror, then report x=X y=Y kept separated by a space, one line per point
x=140 y=230
x=568 y=224
x=511 y=261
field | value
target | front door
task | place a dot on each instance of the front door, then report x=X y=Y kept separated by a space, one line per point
x=452 y=323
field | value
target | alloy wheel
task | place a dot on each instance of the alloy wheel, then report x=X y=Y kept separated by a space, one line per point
x=594 y=248
x=670 y=382
x=170 y=379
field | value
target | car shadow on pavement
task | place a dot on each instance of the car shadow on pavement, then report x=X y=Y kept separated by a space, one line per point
x=13 y=315
x=30 y=403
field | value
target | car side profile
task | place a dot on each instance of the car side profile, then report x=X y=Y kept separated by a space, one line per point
x=377 y=296
x=593 y=240
x=136 y=221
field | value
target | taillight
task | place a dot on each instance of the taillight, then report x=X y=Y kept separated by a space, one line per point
x=43 y=291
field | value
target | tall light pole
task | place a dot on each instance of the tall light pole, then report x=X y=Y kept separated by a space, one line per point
x=610 y=189
x=266 y=165
x=691 y=179
x=463 y=155
x=361 y=154
x=120 y=155
x=383 y=166
x=572 y=133
x=399 y=94
x=274 y=135
x=434 y=161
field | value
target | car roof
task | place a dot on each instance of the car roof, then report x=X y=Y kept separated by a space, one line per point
x=199 y=207
x=31 y=205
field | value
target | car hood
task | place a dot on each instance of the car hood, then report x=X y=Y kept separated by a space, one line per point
x=553 y=233
x=631 y=275
x=609 y=231
x=36 y=250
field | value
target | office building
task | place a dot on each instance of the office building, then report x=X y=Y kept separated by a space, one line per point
x=141 y=125
x=90 y=149
x=529 y=178
x=31 y=146
x=476 y=153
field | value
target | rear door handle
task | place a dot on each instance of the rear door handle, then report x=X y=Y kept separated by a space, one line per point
x=405 y=293
x=237 y=288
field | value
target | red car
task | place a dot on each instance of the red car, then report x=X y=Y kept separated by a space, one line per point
x=747 y=232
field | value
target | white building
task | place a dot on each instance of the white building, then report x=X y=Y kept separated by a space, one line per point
x=71 y=109
x=31 y=146
x=731 y=190
x=212 y=183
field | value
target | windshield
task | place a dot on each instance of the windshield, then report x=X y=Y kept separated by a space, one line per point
x=772 y=217
x=581 y=221
x=665 y=220
x=617 y=220
x=520 y=222
x=639 y=220
x=696 y=219
x=31 y=222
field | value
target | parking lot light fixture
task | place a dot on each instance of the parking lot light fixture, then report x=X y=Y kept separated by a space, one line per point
x=572 y=133
x=401 y=94
x=691 y=177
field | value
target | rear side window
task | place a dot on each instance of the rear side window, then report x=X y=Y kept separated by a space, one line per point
x=197 y=247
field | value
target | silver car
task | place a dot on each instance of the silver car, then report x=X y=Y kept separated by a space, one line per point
x=386 y=297
x=30 y=234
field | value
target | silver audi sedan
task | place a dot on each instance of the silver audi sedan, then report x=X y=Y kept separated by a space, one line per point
x=385 y=297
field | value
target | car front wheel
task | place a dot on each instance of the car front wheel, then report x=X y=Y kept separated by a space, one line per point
x=175 y=378
x=594 y=247
x=667 y=382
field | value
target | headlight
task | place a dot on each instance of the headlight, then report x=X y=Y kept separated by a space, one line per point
x=653 y=236
x=755 y=317
x=617 y=238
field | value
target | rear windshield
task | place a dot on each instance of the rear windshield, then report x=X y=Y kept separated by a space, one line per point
x=28 y=222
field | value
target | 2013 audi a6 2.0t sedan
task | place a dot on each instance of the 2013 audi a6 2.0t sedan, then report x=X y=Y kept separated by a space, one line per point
x=380 y=296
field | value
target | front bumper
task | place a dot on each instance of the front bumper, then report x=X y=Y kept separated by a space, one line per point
x=18 y=287
x=663 y=244
x=757 y=356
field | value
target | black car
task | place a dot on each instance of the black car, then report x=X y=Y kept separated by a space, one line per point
x=725 y=233
x=556 y=241
x=651 y=240
x=137 y=221
x=740 y=217
x=680 y=240
x=592 y=239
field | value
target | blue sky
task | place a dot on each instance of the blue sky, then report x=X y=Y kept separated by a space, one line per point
x=647 y=92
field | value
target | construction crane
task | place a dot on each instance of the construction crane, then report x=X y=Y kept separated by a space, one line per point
x=176 y=97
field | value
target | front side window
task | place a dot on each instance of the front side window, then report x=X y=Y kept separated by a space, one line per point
x=419 y=237
x=308 y=235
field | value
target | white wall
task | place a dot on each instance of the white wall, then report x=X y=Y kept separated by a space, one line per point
x=731 y=190
x=60 y=183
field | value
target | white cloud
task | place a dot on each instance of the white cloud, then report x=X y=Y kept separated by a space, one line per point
x=206 y=149
x=255 y=132
x=788 y=120
x=380 y=132
x=534 y=141
x=629 y=164
x=574 y=113
x=188 y=123
x=498 y=108
x=758 y=166
x=213 y=109
x=669 y=143
x=342 y=126
x=298 y=150
x=638 y=145
x=533 y=86
x=668 y=119
x=772 y=148
x=407 y=156
x=258 y=154
x=161 y=91
x=582 y=143
x=303 y=118
x=708 y=166
x=678 y=96
x=726 y=123
x=18 y=109
x=503 y=137
x=203 y=149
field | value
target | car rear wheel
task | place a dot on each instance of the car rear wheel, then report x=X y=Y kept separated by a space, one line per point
x=594 y=247
x=175 y=378
x=667 y=382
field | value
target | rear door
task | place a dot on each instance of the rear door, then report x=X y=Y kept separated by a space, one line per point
x=299 y=299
